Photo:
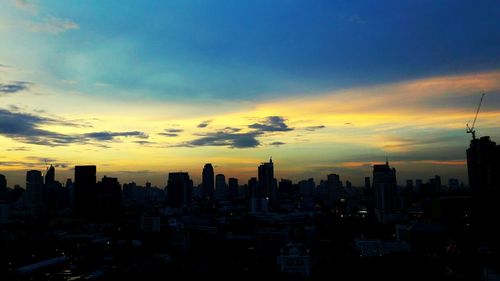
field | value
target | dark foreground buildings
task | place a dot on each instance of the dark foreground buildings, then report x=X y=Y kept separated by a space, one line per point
x=483 y=163
x=85 y=194
x=224 y=230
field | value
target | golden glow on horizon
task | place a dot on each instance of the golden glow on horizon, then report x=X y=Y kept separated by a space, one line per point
x=381 y=119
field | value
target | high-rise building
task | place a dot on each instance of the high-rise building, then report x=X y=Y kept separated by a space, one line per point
x=232 y=188
x=387 y=205
x=336 y=190
x=50 y=175
x=85 y=191
x=35 y=193
x=483 y=163
x=109 y=197
x=179 y=188
x=409 y=184
x=286 y=187
x=3 y=188
x=208 y=182
x=220 y=188
x=266 y=179
x=368 y=185
x=453 y=184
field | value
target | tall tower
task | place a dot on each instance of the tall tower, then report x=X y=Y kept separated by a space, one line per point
x=85 y=193
x=220 y=188
x=385 y=193
x=266 y=179
x=35 y=193
x=483 y=164
x=232 y=188
x=50 y=175
x=179 y=189
x=208 y=182
x=3 y=187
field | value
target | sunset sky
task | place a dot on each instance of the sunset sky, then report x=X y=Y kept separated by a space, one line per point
x=143 y=88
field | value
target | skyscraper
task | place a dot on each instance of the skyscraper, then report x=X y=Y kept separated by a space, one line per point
x=35 y=193
x=50 y=175
x=3 y=187
x=85 y=193
x=208 y=182
x=179 y=188
x=385 y=193
x=220 y=188
x=368 y=185
x=335 y=189
x=109 y=197
x=483 y=163
x=232 y=188
x=266 y=179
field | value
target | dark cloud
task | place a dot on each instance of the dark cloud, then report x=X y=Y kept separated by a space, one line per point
x=226 y=138
x=25 y=127
x=143 y=142
x=14 y=87
x=314 y=128
x=169 y=134
x=231 y=129
x=41 y=159
x=36 y=162
x=231 y=136
x=204 y=124
x=109 y=136
x=276 y=143
x=172 y=132
x=271 y=124
x=19 y=148
x=14 y=107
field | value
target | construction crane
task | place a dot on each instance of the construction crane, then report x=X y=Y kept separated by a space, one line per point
x=470 y=129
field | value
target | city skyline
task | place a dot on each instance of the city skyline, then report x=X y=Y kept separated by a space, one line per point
x=144 y=90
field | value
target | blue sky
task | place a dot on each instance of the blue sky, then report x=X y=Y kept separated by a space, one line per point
x=251 y=49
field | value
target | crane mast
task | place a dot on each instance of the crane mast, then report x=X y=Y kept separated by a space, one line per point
x=471 y=129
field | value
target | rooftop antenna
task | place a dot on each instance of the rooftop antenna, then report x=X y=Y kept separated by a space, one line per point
x=471 y=129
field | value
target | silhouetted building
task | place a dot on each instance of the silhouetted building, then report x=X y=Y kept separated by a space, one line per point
x=232 y=188
x=50 y=175
x=435 y=184
x=335 y=187
x=208 y=182
x=35 y=193
x=266 y=179
x=109 y=198
x=348 y=185
x=294 y=259
x=453 y=184
x=85 y=191
x=368 y=185
x=409 y=184
x=483 y=163
x=179 y=188
x=307 y=188
x=286 y=187
x=3 y=187
x=252 y=187
x=386 y=196
x=220 y=188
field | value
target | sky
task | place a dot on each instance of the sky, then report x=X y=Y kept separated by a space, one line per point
x=144 y=88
